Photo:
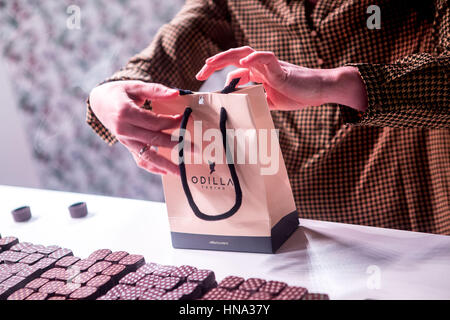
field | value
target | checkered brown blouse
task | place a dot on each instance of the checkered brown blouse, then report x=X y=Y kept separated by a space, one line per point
x=388 y=167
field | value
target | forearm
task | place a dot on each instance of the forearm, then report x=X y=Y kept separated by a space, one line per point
x=344 y=86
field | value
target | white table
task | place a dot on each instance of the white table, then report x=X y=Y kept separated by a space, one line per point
x=342 y=260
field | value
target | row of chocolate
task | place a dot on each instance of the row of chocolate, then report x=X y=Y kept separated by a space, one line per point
x=37 y=272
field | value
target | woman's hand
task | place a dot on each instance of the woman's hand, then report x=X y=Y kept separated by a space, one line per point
x=290 y=87
x=117 y=106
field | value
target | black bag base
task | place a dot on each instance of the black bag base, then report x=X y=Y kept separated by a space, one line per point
x=279 y=234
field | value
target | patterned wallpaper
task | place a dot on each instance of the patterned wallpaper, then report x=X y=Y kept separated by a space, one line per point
x=54 y=59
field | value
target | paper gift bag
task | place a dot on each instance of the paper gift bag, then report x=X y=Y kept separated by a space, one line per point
x=233 y=192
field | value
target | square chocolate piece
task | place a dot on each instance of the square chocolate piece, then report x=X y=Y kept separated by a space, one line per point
x=148 y=268
x=132 y=261
x=133 y=293
x=238 y=295
x=36 y=283
x=183 y=272
x=273 y=287
x=51 y=287
x=252 y=284
x=84 y=264
x=206 y=278
x=32 y=258
x=99 y=266
x=115 y=271
x=8 y=242
x=216 y=294
x=67 y=289
x=20 y=294
x=189 y=291
x=45 y=263
x=84 y=293
x=149 y=281
x=260 y=296
x=37 y=296
x=83 y=278
x=316 y=296
x=163 y=271
x=131 y=278
x=100 y=254
x=231 y=282
x=168 y=283
x=61 y=253
x=66 y=261
x=291 y=293
x=116 y=256
x=152 y=294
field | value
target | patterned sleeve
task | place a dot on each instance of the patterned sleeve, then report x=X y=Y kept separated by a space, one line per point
x=201 y=29
x=412 y=92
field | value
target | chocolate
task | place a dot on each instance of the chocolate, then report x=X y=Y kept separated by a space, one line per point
x=152 y=294
x=216 y=294
x=316 y=296
x=36 y=283
x=4 y=276
x=45 y=263
x=237 y=295
x=131 y=278
x=66 y=261
x=37 y=296
x=189 y=291
x=46 y=250
x=99 y=266
x=21 y=214
x=273 y=287
x=231 y=282
x=30 y=272
x=183 y=272
x=12 y=256
x=206 y=278
x=83 y=278
x=20 y=294
x=101 y=282
x=100 y=254
x=116 y=256
x=84 y=264
x=172 y=295
x=260 y=296
x=32 y=258
x=148 y=268
x=8 y=242
x=168 y=283
x=291 y=293
x=20 y=246
x=60 y=253
x=67 y=289
x=252 y=284
x=115 y=271
x=17 y=267
x=10 y=285
x=54 y=273
x=118 y=290
x=51 y=287
x=85 y=293
x=132 y=261
x=164 y=271
x=133 y=293
x=149 y=281
x=78 y=210
x=57 y=298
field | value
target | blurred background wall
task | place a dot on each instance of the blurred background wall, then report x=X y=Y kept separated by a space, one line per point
x=49 y=62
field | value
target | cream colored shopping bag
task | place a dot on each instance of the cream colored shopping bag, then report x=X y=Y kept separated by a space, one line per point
x=232 y=194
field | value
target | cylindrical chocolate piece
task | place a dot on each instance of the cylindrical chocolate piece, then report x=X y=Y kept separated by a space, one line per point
x=78 y=210
x=21 y=214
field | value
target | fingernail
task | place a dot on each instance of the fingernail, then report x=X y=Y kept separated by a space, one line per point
x=209 y=60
